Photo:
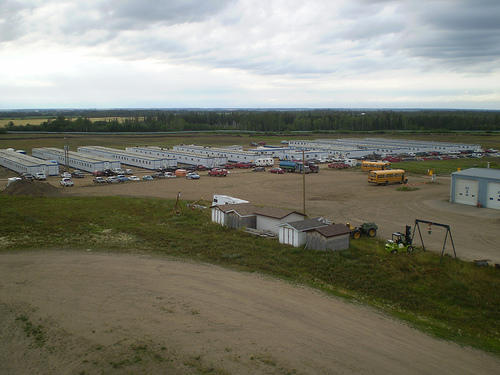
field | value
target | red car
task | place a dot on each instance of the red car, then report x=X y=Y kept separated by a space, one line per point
x=276 y=170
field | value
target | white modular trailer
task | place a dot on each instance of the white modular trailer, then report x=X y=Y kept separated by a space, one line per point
x=76 y=160
x=231 y=154
x=476 y=187
x=355 y=148
x=20 y=163
x=273 y=151
x=182 y=157
x=127 y=157
x=219 y=199
x=425 y=146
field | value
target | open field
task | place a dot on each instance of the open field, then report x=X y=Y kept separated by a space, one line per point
x=122 y=313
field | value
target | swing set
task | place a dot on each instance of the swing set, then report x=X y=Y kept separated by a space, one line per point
x=430 y=224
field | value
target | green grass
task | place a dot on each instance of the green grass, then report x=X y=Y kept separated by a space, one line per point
x=454 y=300
x=446 y=167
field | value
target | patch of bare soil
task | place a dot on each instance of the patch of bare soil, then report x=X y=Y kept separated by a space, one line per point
x=32 y=188
x=92 y=313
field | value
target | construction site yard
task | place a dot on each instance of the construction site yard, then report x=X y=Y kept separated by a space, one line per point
x=338 y=195
x=115 y=313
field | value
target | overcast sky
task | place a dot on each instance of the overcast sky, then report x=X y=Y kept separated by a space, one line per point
x=250 y=54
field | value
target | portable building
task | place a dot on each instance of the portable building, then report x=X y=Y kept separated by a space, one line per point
x=226 y=199
x=180 y=156
x=152 y=162
x=294 y=233
x=76 y=160
x=236 y=216
x=20 y=163
x=269 y=218
x=332 y=237
x=476 y=187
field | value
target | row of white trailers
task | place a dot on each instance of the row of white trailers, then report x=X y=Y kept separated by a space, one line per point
x=21 y=163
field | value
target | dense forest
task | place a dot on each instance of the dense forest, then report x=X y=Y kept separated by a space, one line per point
x=277 y=121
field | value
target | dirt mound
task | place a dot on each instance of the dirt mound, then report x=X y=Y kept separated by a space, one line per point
x=32 y=188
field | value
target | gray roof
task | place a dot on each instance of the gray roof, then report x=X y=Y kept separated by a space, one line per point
x=333 y=230
x=480 y=172
x=307 y=224
x=242 y=209
x=277 y=213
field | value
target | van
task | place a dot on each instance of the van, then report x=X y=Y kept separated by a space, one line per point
x=181 y=172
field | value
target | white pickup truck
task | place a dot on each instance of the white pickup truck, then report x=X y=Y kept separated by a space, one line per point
x=40 y=176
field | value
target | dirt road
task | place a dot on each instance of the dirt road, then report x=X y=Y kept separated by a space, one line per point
x=90 y=313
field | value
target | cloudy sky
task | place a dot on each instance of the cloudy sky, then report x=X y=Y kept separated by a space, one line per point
x=250 y=54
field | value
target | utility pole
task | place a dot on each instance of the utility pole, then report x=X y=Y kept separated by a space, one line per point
x=303 y=183
x=66 y=153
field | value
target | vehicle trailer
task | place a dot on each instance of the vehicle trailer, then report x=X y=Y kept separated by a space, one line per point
x=294 y=166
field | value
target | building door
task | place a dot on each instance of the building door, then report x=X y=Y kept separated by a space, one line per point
x=466 y=191
x=493 y=195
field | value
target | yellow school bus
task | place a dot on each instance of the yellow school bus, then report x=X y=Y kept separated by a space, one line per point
x=375 y=165
x=389 y=176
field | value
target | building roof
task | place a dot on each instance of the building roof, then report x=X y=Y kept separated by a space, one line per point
x=241 y=209
x=277 y=213
x=480 y=172
x=333 y=230
x=307 y=224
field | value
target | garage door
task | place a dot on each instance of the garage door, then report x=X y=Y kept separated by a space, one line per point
x=466 y=191
x=493 y=195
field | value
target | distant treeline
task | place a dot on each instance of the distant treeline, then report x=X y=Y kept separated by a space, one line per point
x=256 y=120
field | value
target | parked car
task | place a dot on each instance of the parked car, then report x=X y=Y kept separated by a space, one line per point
x=147 y=177
x=99 y=180
x=98 y=173
x=259 y=169
x=276 y=170
x=217 y=172
x=122 y=178
x=112 y=180
x=134 y=178
x=40 y=176
x=193 y=176
x=201 y=168
x=170 y=175
x=66 y=182
x=27 y=176
x=244 y=165
x=66 y=175
x=129 y=171
x=228 y=166
x=78 y=174
x=159 y=175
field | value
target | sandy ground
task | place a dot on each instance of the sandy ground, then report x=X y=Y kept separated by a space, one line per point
x=100 y=313
x=90 y=313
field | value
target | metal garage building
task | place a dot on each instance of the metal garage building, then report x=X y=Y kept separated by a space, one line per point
x=476 y=187
x=76 y=160
x=21 y=163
